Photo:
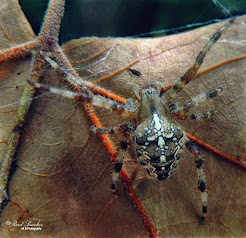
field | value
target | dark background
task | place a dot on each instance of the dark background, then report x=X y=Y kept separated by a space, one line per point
x=130 y=17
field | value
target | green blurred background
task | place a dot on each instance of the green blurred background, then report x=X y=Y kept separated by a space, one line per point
x=129 y=17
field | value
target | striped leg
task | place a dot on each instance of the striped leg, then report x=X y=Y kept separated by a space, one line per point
x=191 y=146
x=200 y=98
x=118 y=165
x=125 y=129
x=190 y=73
x=180 y=113
x=98 y=101
x=69 y=77
x=200 y=116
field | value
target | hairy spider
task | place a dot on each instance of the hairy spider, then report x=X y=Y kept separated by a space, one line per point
x=152 y=122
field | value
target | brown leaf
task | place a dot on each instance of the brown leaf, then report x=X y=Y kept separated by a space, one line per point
x=63 y=172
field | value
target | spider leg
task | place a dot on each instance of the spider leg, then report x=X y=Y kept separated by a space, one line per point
x=180 y=113
x=190 y=73
x=193 y=116
x=192 y=147
x=69 y=77
x=125 y=128
x=118 y=165
x=95 y=100
x=200 y=98
x=200 y=116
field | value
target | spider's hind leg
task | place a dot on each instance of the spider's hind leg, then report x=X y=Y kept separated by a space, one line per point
x=118 y=165
x=192 y=147
x=125 y=129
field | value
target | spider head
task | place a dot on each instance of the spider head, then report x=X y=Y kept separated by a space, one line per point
x=150 y=103
x=148 y=95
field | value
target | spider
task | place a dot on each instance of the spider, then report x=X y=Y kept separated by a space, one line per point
x=152 y=122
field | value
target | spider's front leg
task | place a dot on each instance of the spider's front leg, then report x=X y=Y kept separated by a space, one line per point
x=191 y=73
x=192 y=147
x=127 y=111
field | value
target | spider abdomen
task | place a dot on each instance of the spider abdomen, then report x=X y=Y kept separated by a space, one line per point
x=158 y=146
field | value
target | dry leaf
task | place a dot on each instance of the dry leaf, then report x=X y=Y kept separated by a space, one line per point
x=63 y=172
